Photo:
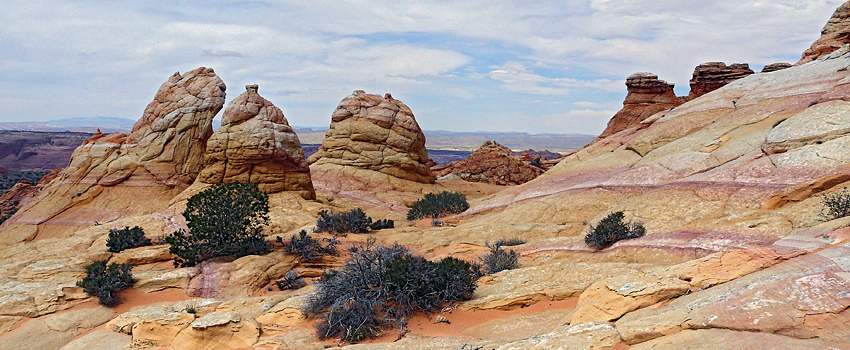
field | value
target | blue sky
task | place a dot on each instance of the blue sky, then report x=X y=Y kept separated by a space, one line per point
x=538 y=67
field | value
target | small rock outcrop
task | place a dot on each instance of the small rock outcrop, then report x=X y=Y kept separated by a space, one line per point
x=491 y=163
x=834 y=35
x=376 y=133
x=647 y=95
x=256 y=144
x=714 y=75
x=775 y=67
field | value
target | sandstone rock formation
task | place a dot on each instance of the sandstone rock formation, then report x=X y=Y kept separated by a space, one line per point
x=375 y=133
x=775 y=67
x=256 y=144
x=714 y=75
x=111 y=176
x=491 y=163
x=834 y=35
x=646 y=96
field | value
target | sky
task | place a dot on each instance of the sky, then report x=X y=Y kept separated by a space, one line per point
x=542 y=66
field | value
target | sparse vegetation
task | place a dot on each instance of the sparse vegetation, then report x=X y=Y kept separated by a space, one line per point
x=382 y=224
x=291 y=281
x=836 y=205
x=510 y=242
x=354 y=221
x=537 y=162
x=379 y=287
x=611 y=229
x=224 y=220
x=498 y=259
x=307 y=248
x=437 y=205
x=12 y=177
x=120 y=239
x=105 y=282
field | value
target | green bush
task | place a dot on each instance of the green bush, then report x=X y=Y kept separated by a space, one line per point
x=125 y=238
x=307 y=248
x=354 y=221
x=224 y=220
x=509 y=242
x=379 y=287
x=437 y=205
x=836 y=205
x=611 y=229
x=538 y=162
x=498 y=259
x=382 y=224
x=105 y=282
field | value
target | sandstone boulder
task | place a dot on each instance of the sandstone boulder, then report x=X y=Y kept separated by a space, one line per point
x=256 y=144
x=491 y=163
x=714 y=75
x=775 y=67
x=218 y=330
x=376 y=133
x=834 y=35
x=646 y=96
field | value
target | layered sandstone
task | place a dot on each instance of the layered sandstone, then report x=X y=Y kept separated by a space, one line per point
x=256 y=144
x=111 y=176
x=834 y=35
x=714 y=75
x=646 y=96
x=491 y=163
x=375 y=133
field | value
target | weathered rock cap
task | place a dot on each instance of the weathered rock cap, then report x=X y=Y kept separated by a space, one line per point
x=834 y=35
x=775 y=67
x=256 y=144
x=376 y=133
x=711 y=76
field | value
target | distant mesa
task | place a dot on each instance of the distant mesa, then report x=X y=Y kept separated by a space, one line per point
x=376 y=133
x=646 y=96
x=490 y=163
x=256 y=144
x=834 y=35
x=714 y=75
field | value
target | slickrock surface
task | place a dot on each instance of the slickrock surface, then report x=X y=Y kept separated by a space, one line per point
x=491 y=163
x=714 y=75
x=834 y=35
x=646 y=96
x=375 y=133
x=111 y=176
x=256 y=144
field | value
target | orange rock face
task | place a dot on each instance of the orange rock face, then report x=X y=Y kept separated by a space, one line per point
x=491 y=163
x=376 y=133
x=647 y=95
x=834 y=35
x=256 y=144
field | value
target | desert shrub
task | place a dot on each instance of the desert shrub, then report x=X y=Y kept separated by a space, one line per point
x=105 y=282
x=226 y=219
x=538 y=162
x=836 y=205
x=379 y=287
x=308 y=248
x=125 y=238
x=437 y=205
x=498 y=259
x=291 y=281
x=509 y=242
x=382 y=224
x=611 y=229
x=354 y=221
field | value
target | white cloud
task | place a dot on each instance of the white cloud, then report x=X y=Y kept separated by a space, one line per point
x=466 y=64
